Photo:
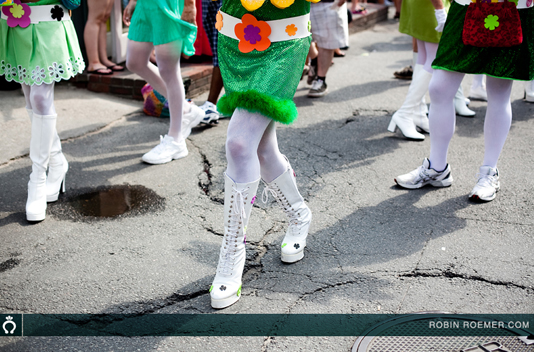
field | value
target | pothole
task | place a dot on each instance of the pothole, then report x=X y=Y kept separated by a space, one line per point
x=107 y=202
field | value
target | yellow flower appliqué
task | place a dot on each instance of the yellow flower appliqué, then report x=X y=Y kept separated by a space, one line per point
x=219 y=23
x=17 y=11
x=291 y=30
x=252 y=5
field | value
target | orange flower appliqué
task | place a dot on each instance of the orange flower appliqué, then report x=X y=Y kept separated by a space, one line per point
x=219 y=23
x=291 y=30
x=252 y=34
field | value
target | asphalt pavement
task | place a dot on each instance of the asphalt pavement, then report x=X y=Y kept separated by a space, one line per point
x=373 y=247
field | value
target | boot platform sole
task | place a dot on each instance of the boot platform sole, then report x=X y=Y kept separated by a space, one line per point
x=36 y=217
x=292 y=258
x=225 y=302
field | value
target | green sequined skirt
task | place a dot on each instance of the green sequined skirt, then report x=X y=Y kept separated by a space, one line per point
x=263 y=81
x=512 y=63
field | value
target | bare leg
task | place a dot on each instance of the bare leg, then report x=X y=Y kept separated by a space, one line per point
x=95 y=20
x=216 y=85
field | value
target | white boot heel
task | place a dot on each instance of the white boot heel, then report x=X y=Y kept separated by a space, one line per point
x=392 y=126
x=238 y=200
x=55 y=182
x=284 y=190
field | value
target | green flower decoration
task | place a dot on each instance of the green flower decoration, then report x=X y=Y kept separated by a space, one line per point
x=17 y=11
x=309 y=26
x=491 y=22
x=514 y=1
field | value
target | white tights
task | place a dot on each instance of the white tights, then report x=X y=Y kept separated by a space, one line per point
x=166 y=78
x=252 y=148
x=40 y=99
x=426 y=53
x=442 y=117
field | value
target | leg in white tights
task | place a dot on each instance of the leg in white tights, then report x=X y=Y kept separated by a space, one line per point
x=443 y=86
x=426 y=54
x=165 y=78
x=498 y=118
x=442 y=116
x=252 y=148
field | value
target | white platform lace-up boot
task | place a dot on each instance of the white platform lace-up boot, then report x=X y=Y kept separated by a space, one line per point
x=43 y=131
x=238 y=200
x=57 y=168
x=284 y=190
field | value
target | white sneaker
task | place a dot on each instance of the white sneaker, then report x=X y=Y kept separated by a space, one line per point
x=167 y=150
x=487 y=186
x=424 y=175
x=191 y=119
x=211 y=114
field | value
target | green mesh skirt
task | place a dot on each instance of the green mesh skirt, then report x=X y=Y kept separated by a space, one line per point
x=512 y=63
x=159 y=22
x=46 y=52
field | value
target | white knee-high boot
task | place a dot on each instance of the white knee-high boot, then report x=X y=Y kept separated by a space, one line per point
x=57 y=168
x=238 y=200
x=285 y=191
x=410 y=114
x=43 y=132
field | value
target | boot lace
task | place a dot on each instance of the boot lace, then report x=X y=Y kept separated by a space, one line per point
x=235 y=222
x=294 y=216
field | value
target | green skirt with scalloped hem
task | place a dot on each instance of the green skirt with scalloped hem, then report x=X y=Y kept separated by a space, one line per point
x=515 y=62
x=159 y=22
x=45 y=52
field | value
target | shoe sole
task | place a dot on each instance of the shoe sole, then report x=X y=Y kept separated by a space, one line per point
x=403 y=77
x=165 y=161
x=225 y=302
x=317 y=95
x=292 y=258
x=478 y=199
x=437 y=184
x=210 y=119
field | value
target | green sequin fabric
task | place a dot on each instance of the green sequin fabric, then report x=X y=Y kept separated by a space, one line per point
x=512 y=63
x=263 y=81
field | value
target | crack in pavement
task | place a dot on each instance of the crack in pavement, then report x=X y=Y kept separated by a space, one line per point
x=452 y=275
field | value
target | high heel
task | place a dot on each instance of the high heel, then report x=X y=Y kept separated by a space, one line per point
x=43 y=130
x=55 y=182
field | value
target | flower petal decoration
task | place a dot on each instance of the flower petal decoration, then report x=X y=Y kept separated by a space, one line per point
x=219 y=24
x=57 y=12
x=291 y=30
x=252 y=34
x=252 y=5
x=18 y=14
x=282 y=4
x=491 y=22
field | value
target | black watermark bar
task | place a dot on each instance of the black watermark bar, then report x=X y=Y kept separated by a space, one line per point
x=267 y=324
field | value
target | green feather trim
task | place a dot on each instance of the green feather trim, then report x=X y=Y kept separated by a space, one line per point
x=281 y=110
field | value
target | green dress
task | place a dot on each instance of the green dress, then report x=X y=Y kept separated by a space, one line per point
x=159 y=22
x=419 y=21
x=44 y=52
x=515 y=62
x=263 y=81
